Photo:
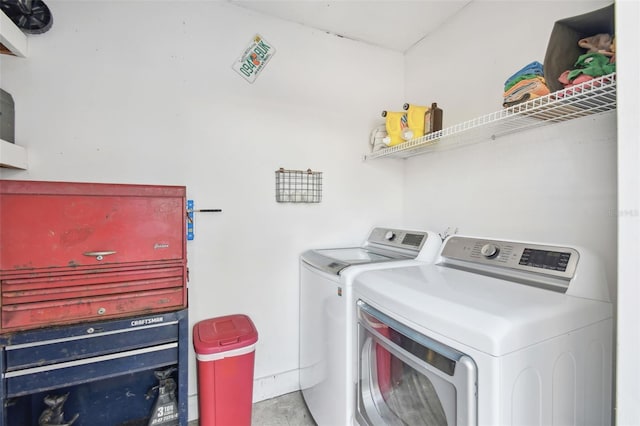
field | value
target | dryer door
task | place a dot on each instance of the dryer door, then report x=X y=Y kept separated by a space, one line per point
x=406 y=378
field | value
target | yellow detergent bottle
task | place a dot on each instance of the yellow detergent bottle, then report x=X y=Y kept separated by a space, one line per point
x=397 y=128
x=415 y=118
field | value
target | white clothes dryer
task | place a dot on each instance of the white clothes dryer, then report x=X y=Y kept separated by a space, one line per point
x=494 y=333
x=327 y=361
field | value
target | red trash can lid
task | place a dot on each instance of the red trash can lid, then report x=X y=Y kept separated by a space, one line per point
x=223 y=334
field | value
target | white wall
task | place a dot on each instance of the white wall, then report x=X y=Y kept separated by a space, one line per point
x=144 y=92
x=628 y=338
x=554 y=184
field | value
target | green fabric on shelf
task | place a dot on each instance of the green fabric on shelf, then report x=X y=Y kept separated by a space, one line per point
x=593 y=64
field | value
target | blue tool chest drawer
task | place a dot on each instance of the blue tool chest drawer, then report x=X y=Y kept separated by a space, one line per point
x=108 y=369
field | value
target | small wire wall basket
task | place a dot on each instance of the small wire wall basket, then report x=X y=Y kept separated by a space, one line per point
x=298 y=186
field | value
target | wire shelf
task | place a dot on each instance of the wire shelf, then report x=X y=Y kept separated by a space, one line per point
x=591 y=97
x=298 y=186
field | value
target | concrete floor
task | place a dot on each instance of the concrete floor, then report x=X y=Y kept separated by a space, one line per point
x=284 y=410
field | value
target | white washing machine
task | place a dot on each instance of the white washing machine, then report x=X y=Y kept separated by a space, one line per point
x=494 y=333
x=327 y=361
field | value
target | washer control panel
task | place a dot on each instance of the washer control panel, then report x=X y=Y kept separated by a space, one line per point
x=397 y=238
x=556 y=261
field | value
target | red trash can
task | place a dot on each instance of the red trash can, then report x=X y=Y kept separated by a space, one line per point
x=225 y=352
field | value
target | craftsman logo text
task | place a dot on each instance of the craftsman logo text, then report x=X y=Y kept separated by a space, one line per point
x=147 y=321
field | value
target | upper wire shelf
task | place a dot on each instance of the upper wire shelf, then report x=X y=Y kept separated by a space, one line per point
x=591 y=97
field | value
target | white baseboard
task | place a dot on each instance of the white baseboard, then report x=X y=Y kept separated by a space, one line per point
x=263 y=388
x=193 y=407
x=275 y=385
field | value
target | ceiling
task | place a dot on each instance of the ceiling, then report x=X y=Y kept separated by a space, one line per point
x=392 y=24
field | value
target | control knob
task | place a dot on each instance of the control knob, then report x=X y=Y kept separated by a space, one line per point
x=490 y=250
x=390 y=236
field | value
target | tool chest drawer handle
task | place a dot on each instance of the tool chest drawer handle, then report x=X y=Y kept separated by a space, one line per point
x=99 y=255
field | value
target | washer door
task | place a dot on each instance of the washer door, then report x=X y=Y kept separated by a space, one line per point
x=406 y=378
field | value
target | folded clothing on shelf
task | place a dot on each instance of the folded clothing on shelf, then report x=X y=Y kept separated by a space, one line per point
x=532 y=69
x=524 y=89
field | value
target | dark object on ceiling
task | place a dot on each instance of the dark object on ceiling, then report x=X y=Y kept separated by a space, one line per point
x=31 y=16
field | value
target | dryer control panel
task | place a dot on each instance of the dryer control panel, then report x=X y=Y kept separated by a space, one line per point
x=525 y=259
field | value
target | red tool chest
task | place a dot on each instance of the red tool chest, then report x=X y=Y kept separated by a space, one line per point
x=73 y=252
